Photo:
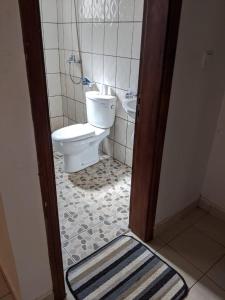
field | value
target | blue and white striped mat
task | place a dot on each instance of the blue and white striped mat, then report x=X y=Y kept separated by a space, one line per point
x=124 y=269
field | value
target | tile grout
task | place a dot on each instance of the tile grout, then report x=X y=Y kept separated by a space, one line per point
x=203 y=274
x=118 y=226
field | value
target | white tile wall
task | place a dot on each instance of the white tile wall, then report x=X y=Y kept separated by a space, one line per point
x=109 y=70
x=68 y=41
x=108 y=146
x=120 y=131
x=67 y=9
x=112 y=10
x=126 y=10
x=49 y=11
x=98 y=38
x=87 y=65
x=125 y=34
x=136 y=40
x=65 y=106
x=110 y=37
x=71 y=109
x=129 y=137
x=98 y=67
x=50 y=33
x=54 y=84
x=119 y=152
x=52 y=61
x=56 y=123
x=80 y=112
x=70 y=88
x=129 y=157
x=138 y=11
x=55 y=105
x=134 y=75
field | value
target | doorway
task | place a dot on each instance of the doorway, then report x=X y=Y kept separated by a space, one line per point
x=91 y=47
x=161 y=22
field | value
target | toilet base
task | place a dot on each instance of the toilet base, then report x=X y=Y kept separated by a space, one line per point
x=77 y=162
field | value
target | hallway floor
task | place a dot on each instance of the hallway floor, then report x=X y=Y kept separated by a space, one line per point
x=93 y=206
x=195 y=247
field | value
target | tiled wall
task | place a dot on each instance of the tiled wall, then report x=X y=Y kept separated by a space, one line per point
x=49 y=22
x=110 y=37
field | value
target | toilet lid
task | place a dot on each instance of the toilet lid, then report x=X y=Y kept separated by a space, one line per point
x=74 y=132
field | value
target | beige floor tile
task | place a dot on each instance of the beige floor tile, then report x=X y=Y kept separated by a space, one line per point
x=156 y=244
x=198 y=248
x=4 y=290
x=193 y=216
x=205 y=289
x=173 y=230
x=190 y=274
x=213 y=227
x=217 y=273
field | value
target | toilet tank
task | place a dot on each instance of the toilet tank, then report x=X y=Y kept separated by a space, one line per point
x=101 y=109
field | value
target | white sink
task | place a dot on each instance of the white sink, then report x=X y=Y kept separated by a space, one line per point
x=129 y=106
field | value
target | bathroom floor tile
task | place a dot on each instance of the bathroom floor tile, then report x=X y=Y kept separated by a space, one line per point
x=67 y=259
x=82 y=245
x=104 y=234
x=93 y=206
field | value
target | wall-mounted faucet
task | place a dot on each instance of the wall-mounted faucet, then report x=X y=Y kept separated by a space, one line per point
x=88 y=82
x=83 y=79
x=72 y=59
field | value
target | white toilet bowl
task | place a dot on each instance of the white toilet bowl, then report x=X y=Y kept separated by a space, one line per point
x=79 y=144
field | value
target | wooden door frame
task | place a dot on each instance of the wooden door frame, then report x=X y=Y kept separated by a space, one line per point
x=159 y=39
x=33 y=48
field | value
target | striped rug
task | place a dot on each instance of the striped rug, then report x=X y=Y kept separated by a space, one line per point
x=124 y=269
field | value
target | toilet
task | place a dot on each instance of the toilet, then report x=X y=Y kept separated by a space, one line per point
x=79 y=143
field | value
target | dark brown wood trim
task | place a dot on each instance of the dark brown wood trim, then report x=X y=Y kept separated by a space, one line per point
x=159 y=40
x=32 y=38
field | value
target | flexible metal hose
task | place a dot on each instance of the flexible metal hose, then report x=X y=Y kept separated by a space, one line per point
x=79 y=51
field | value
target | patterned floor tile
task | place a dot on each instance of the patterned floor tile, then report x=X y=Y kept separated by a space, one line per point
x=82 y=245
x=93 y=206
x=67 y=259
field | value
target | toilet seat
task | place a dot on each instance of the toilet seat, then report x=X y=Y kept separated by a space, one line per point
x=76 y=132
